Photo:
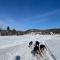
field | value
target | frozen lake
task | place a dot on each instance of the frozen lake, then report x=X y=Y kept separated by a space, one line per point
x=10 y=46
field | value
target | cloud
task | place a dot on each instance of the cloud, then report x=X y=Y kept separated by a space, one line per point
x=40 y=18
x=9 y=21
x=43 y=17
x=6 y=21
x=3 y=24
x=50 y=13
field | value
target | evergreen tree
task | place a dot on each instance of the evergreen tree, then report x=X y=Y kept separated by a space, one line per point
x=8 y=28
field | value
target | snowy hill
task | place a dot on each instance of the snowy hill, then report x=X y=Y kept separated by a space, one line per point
x=12 y=46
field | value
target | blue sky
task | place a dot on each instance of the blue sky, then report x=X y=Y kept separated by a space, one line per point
x=29 y=14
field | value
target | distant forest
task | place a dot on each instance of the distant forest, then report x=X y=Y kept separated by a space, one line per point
x=9 y=31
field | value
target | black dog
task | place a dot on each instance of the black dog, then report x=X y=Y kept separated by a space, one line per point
x=30 y=43
x=42 y=47
x=36 y=47
x=37 y=43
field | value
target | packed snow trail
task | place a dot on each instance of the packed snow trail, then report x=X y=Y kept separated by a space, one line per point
x=29 y=56
x=50 y=52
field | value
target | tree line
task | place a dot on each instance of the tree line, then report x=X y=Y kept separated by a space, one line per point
x=9 y=31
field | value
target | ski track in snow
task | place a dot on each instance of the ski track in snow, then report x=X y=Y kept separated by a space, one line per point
x=11 y=46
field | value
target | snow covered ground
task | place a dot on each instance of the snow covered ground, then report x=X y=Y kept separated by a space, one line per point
x=54 y=46
x=12 y=46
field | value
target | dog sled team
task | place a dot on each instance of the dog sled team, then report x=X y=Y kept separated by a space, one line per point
x=40 y=51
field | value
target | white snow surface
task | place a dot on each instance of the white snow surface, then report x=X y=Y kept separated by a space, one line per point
x=12 y=46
